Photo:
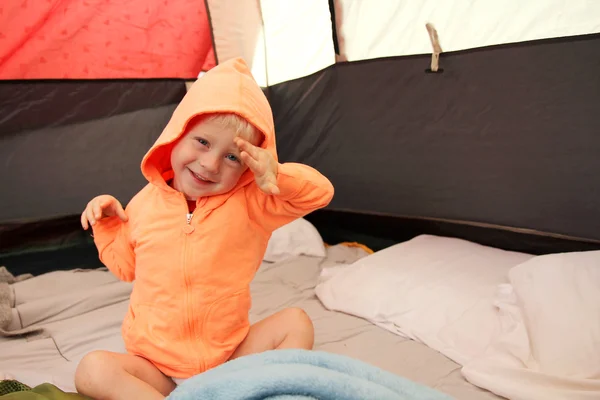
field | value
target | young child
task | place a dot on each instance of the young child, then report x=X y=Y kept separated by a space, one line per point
x=193 y=239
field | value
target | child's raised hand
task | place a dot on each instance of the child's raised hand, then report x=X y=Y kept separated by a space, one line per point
x=262 y=164
x=101 y=207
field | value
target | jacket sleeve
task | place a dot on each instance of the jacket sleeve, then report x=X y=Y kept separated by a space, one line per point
x=111 y=236
x=302 y=190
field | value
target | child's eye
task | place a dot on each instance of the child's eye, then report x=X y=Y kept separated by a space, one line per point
x=231 y=157
x=202 y=141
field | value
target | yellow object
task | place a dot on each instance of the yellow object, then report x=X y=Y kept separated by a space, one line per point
x=353 y=244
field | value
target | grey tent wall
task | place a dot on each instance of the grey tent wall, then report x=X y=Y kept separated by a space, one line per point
x=506 y=135
x=64 y=142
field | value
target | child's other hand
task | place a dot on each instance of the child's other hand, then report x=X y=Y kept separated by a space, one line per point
x=102 y=207
x=262 y=164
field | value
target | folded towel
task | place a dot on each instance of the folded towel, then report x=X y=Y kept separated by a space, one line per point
x=301 y=374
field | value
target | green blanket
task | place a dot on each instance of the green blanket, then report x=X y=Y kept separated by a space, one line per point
x=14 y=390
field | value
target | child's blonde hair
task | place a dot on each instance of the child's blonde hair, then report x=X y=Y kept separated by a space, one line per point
x=243 y=128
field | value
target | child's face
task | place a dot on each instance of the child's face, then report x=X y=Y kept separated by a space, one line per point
x=206 y=161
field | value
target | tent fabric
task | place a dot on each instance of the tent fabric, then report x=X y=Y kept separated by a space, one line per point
x=97 y=39
x=505 y=135
x=378 y=231
x=30 y=105
x=93 y=39
x=89 y=144
x=50 y=173
x=374 y=29
x=280 y=40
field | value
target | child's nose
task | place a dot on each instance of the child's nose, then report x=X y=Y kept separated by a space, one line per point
x=211 y=163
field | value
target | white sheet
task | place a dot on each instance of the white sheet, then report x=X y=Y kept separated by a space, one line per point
x=549 y=347
x=296 y=238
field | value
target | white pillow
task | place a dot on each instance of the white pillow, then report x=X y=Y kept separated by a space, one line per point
x=560 y=299
x=298 y=237
x=549 y=347
x=435 y=290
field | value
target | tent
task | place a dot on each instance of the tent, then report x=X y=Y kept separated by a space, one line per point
x=472 y=119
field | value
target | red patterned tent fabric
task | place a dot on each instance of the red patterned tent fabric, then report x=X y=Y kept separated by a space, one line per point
x=104 y=39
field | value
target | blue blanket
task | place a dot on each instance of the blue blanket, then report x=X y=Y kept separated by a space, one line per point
x=301 y=374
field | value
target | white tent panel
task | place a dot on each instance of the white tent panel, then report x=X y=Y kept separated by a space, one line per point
x=382 y=28
x=238 y=32
x=299 y=38
x=280 y=40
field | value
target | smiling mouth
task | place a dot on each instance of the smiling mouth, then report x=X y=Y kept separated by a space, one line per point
x=200 y=178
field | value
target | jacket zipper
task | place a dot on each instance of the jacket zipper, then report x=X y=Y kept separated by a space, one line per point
x=188 y=287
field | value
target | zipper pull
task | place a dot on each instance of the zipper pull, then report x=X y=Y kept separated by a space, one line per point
x=188 y=228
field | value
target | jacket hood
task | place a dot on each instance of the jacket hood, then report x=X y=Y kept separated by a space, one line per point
x=226 y=88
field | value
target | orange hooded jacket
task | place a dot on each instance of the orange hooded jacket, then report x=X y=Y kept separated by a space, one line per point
x=189 y=305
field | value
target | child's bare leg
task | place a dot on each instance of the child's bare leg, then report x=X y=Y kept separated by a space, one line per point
x=103 y=375
x=288 y=329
